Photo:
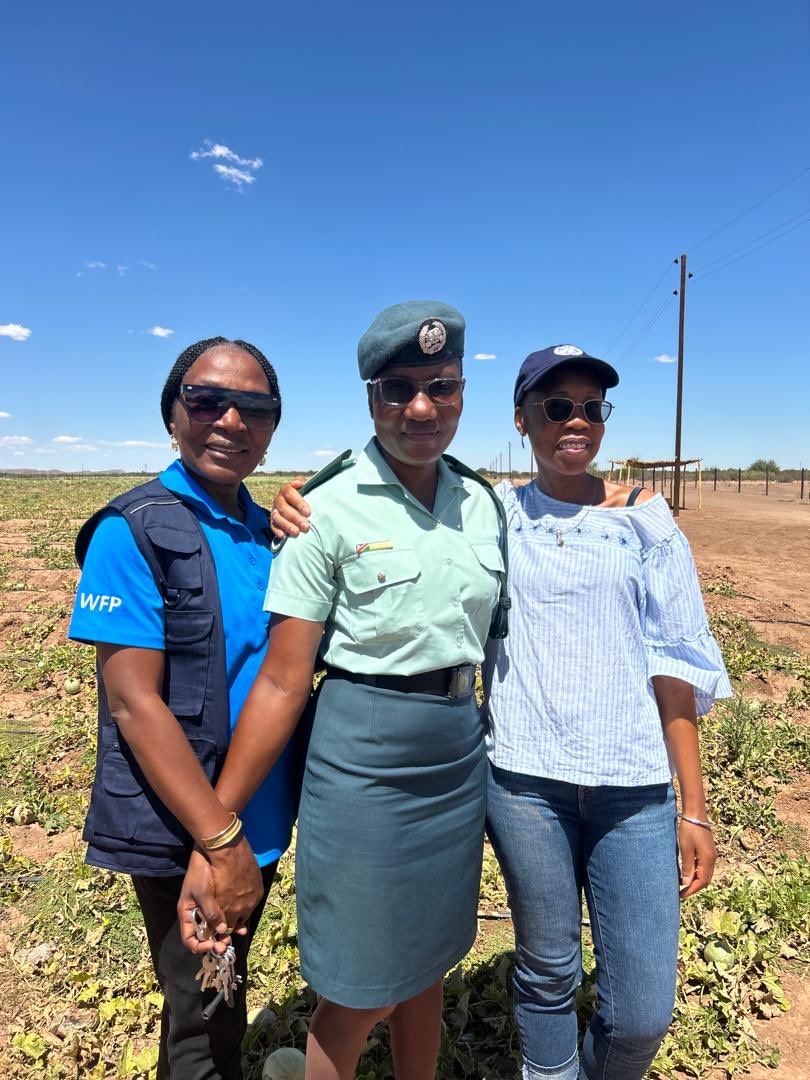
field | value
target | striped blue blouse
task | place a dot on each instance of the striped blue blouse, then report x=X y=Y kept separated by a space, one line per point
x=602 y=600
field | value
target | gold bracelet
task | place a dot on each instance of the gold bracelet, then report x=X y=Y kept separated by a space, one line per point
x=230 y=832
x=696 y=821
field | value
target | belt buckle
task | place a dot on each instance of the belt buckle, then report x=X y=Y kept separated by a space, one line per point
x=460 y=681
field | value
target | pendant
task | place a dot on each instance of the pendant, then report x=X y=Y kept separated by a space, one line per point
x=560 y=541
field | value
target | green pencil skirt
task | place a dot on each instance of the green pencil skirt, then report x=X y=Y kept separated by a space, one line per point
x=390 y=840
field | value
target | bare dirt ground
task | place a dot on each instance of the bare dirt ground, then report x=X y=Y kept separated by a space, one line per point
x=757 y=545
x=760 y=545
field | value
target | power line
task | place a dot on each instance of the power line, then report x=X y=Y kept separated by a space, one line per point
x=762 y=236
x=641 y=333
x=751 y=252
x=635 y=314
x=759 y=202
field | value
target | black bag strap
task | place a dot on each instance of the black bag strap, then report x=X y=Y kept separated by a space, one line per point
x=634 y=494
x=499 y=627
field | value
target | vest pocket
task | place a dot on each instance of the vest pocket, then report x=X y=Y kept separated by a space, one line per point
x=188 y=640
x=127 y=808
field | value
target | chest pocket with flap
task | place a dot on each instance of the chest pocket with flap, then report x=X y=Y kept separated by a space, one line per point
x=383 y=596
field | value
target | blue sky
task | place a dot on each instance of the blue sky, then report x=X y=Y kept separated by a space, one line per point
x=538 y=165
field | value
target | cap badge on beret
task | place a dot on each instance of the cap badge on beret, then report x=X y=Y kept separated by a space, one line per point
x=567 y=350
x=432 y=336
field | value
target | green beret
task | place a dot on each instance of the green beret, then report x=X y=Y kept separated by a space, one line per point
x=415 y=332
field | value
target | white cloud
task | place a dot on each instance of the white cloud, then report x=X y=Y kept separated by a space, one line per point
x=18 y=453
x=44 y=450
x=14 y=331
x=217 y=150
x=234 y=176
x=72 y=443
x=324 y=453
x=5 y=415
x=122 y=270
x=8 y=442
x=663 y=358
x=146 y=265
x=160 y=331
x=134 y=442
x=485 y=356
x=229 y=173
x=96 y=264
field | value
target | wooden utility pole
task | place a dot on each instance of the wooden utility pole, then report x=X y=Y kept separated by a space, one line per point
x=676 y=492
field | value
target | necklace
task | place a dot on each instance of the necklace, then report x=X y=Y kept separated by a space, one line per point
x=559 y=533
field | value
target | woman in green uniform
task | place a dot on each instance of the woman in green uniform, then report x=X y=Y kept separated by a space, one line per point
x=393 y=590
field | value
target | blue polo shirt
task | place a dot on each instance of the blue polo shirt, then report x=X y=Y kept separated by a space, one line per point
x=118 y=602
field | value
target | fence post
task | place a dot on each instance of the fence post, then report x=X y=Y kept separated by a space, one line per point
x=766 y=479
x=738 y=480
x=801 y=496
x=715 y=479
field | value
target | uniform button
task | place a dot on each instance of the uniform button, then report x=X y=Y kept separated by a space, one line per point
x=252 y=561
x=381 y=577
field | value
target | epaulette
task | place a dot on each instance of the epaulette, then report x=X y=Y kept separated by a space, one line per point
x=334 y=468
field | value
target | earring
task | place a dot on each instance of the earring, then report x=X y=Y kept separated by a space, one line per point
x=522 y=439
x=263 y=459
x=173 y=444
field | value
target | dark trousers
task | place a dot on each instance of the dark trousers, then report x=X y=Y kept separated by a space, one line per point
x=190 y=1047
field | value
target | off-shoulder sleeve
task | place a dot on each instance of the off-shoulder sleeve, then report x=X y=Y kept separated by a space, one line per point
x=676 y=633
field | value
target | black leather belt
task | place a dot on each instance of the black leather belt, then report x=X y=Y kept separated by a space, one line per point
x=453 y=682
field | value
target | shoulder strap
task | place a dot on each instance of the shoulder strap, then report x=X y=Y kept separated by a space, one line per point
x=634 y=494
x=334 y=468
x=499 y=628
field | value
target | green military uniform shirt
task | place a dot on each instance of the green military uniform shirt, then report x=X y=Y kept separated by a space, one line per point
x=399 y=588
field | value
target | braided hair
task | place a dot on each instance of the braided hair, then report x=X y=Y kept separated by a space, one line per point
x=171 y=388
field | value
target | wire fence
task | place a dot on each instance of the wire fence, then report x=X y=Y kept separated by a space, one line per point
x=794 y=483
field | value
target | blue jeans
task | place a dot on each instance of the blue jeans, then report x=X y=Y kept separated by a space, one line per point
x=617 y=844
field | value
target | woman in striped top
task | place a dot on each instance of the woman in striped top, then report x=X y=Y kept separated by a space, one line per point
x=593 y=700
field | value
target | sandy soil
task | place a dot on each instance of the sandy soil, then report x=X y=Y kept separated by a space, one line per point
x=761 y=546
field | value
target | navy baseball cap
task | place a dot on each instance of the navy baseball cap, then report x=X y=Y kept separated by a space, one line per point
x=538 y=364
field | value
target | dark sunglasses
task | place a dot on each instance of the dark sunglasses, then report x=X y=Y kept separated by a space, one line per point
x=206 y=404
x=401 y=391
x=560 y=409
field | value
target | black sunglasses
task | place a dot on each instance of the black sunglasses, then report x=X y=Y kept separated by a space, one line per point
x=206 y=404
x=560 y=409
x=401 y=391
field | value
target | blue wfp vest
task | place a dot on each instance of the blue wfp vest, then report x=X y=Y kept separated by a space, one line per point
x=127 y=824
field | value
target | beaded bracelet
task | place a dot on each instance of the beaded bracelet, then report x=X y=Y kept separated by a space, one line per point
x=696 y=821
x=230 y=832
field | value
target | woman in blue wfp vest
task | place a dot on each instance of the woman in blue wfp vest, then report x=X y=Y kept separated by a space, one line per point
x=173 y=581
x=395 y=591
x=592 y=703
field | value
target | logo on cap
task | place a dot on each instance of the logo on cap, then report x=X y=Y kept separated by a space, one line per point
x=432 y=336
x=567 y=350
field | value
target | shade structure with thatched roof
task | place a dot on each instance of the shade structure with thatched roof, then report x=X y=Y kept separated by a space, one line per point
x=628 y=466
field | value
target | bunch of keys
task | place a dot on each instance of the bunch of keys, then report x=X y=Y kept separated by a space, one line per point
x=218 y=970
